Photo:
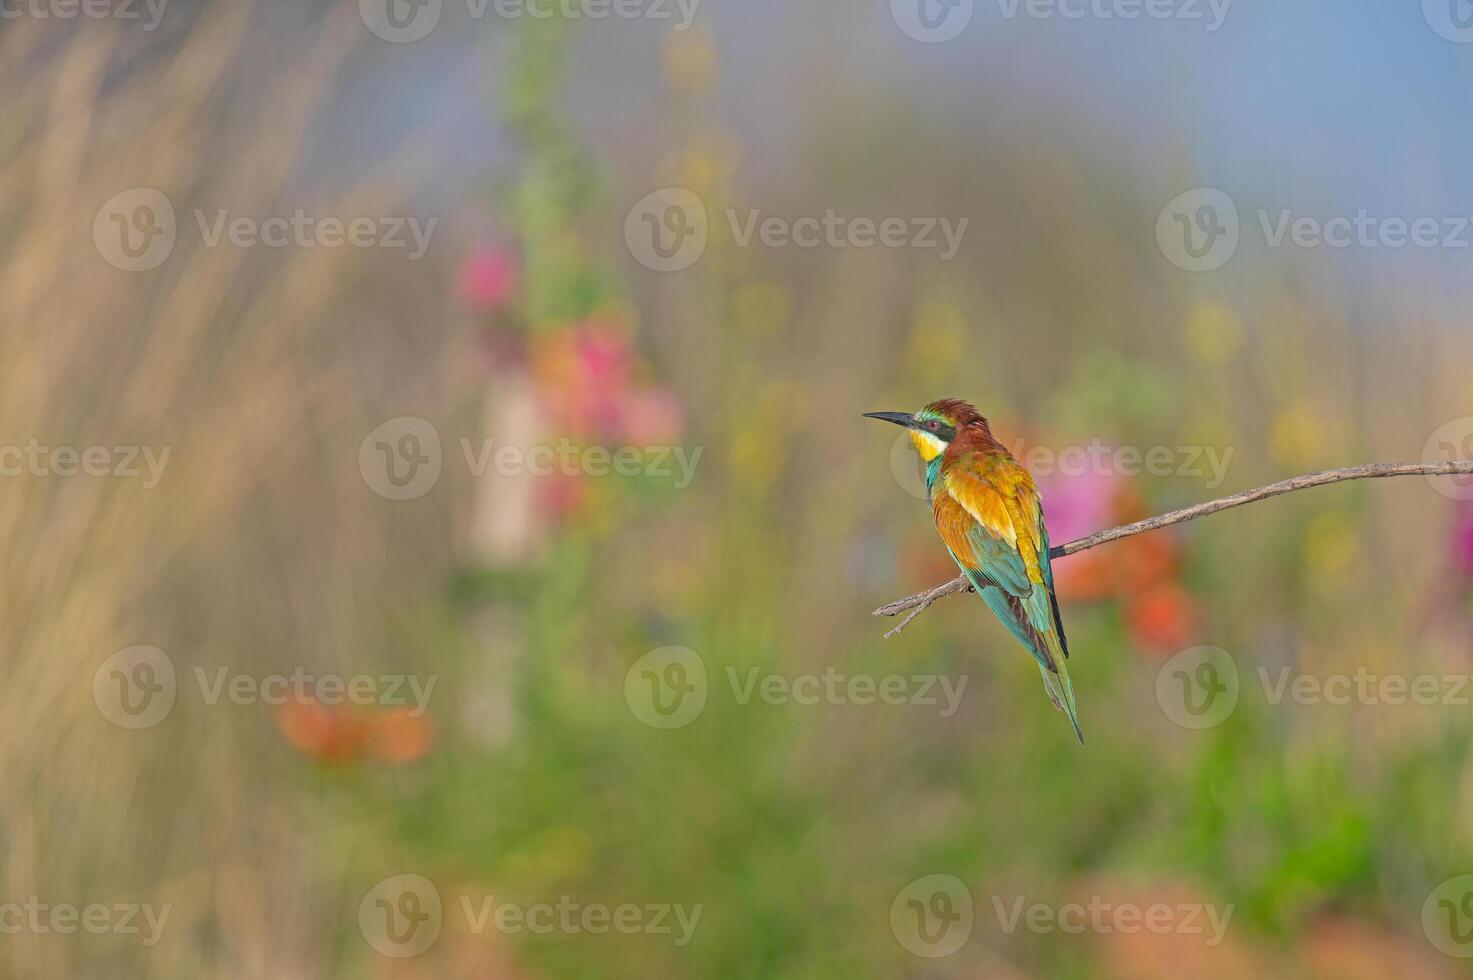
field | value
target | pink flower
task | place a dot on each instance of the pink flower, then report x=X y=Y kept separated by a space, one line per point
x=561 y=496
x=1077 y=505
x=584 y=374
x=487 y=278
x=652 y=417
x=1462 y=543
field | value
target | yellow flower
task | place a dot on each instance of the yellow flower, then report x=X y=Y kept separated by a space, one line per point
x=762 y=307
x=1214 y=333
x=937 y=337
x=690 y=60
x=1297 y=436
x=1331 y=544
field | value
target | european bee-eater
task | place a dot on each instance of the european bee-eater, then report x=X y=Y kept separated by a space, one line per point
x=990 y=516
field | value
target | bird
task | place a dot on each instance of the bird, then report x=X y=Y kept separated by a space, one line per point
x=989 y=513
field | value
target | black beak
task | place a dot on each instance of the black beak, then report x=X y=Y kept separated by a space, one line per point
x=903 y=419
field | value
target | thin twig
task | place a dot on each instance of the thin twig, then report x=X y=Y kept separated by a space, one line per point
x=921 y=600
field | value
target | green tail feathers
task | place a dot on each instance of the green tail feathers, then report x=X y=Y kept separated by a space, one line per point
x=1061 y=692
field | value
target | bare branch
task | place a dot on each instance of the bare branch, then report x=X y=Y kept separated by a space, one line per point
x=918 y=602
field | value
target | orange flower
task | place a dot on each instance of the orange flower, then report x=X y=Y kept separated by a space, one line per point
x=343 y=734
x=328 y=734
x=1162 y=618
x=400 y=736
x=1145 y=560
x=1086 y=577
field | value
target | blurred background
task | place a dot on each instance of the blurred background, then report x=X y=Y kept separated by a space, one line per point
x=441 y=536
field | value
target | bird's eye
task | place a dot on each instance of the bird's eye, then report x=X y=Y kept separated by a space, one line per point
x=933 y=425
